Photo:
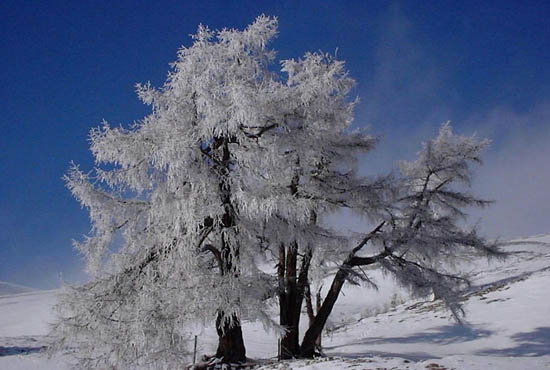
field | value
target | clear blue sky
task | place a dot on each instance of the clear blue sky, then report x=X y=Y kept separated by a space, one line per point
x=66 y=65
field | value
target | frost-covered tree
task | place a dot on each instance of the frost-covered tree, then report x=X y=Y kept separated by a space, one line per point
x=420 y=229
x=233 y=167
x=233 y=170
x=172 y=224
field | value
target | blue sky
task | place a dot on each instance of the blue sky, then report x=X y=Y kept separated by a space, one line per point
x=66 y=65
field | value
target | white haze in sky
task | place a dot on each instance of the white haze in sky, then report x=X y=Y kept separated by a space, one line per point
x=408 y=97
x=516 y=173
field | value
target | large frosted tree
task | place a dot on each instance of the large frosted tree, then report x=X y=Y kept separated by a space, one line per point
x=234 y=165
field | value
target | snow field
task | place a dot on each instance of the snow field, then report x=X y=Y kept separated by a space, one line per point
x=508 y=325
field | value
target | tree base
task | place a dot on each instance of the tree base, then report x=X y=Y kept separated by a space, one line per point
x=230 y=340
x=215 y=363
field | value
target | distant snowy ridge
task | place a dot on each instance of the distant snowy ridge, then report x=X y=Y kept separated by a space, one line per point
x=539 y=238
x=9 y=289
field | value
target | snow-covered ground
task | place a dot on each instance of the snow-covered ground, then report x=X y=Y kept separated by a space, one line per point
x=508 y=325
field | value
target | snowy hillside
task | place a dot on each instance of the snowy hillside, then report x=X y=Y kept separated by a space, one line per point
x=9 y=288
x=508 y=325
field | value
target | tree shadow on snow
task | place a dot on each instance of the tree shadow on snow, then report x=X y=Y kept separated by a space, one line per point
x=10 y=351
x=446 y=334
x=529 y=344
x=411 y=356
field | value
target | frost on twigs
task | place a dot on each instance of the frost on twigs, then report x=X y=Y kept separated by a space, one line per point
x=419 y=234
x=424 y=232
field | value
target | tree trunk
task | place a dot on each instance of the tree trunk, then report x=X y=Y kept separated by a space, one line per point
x=288 y=294
x=318 y=303
x=230 y=336
x=311 y=312
x=292 y=287
x=230 y=340
x=312 y=334
x=307 y=349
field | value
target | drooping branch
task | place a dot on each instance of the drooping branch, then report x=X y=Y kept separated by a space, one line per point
x=366 y=239
x=404 y=262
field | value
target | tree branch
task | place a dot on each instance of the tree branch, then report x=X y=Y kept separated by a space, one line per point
x=257 y=135
x=217 y=254
x=367 y=238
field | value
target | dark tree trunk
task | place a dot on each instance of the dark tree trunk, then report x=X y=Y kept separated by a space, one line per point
x=311 y=312
x=307 y=348
x=292 y=286
x=309 y=305
x=230 y=340
x=288 y=293
x=318 y=303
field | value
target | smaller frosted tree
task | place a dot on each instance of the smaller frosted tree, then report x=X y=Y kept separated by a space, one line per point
x=420 y=229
